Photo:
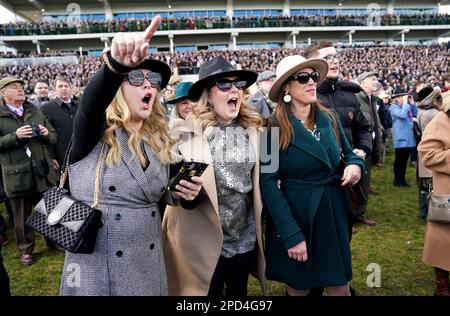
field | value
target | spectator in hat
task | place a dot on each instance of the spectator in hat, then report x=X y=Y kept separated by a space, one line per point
x=434 y=151
x=121 y=113
x=306 y=196
x=369 y=83
x=429 y=101
x=222 y=239
x=260 y=100
x=25 y=135
x=182 y=105
x=403 y=136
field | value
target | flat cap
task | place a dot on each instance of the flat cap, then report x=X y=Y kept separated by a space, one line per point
x=365 y=75
x=8 y=80
x=267 y=74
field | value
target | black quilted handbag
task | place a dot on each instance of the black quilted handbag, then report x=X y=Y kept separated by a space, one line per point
x=70 y=223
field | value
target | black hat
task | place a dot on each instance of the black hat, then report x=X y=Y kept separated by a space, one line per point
x=159 y=67
x=423 y=93
x=399 y=92
x=427 y=95
x=214 y=69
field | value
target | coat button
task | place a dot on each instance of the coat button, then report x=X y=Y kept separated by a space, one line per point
x=118 y=216
x=119 y=253
x=112 y=188
x=152 y=246
x=153 y=213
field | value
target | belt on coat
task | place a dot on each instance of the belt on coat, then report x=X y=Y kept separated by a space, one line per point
x=297 y=184
x=301 y=184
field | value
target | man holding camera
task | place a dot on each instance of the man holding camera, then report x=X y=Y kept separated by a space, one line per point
x=25 y=134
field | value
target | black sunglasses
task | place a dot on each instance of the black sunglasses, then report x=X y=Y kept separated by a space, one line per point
x=303 y=77
x=137 y=77
x=225 y=84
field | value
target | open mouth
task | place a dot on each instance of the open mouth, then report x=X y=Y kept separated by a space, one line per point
x=233 y=102
x=146 y=99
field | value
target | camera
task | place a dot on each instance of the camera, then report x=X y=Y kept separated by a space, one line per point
x=36 y=132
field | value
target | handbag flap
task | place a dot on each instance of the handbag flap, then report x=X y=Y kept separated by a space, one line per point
x=58 y=212
x=40 y=207
x=439 y=209
x=60 y=208
x=440 y=201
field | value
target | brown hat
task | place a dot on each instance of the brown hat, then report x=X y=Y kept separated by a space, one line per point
x=290 y=65
x=8 y=80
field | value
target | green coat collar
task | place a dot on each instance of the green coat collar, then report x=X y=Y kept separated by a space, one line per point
x=5 y=111
x=303 y=139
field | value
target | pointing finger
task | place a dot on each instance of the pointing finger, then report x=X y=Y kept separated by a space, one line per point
x=148 y=33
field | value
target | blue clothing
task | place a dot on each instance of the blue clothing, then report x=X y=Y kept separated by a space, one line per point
x=402 y=125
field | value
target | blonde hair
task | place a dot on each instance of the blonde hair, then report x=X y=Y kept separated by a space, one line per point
x=204 y=111
x=154 y=131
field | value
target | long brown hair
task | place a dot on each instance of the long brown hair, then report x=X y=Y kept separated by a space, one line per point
x=284 y=109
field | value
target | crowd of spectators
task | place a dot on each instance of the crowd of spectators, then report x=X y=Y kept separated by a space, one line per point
x=398 y=66
x=190 y=23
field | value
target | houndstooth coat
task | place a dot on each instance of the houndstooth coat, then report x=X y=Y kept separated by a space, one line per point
x=128 y=257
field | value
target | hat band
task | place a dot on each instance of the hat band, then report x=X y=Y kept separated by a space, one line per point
x=218 y=71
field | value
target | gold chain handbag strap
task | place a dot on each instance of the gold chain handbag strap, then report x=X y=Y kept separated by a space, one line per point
x=97 y=176
x=63 y=177
x=98 y=173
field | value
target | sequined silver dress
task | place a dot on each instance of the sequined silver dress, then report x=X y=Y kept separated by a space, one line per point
x=233 y=162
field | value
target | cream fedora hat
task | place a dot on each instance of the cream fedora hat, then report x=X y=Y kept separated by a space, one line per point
x=290 y=65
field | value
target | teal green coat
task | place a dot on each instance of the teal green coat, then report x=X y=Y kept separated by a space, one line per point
x=309 y=205
x=20 y=175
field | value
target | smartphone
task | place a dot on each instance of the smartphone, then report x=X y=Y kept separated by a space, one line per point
x=188 y=170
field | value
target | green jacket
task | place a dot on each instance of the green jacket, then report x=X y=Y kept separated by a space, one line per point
x=23 y=174
x=303 y=190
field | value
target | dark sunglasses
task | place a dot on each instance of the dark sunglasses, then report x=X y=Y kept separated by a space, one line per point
x=303 y=77
x=225 y=84
x=137 y=77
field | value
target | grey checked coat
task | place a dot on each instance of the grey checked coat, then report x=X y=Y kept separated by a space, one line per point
x=128 y=257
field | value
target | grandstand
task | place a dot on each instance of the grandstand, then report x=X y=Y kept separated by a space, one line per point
x=89 y=25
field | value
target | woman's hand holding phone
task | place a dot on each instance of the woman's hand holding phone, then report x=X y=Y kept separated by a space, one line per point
x=189 y=190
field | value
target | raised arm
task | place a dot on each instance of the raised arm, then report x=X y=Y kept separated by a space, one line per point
x=127 y=51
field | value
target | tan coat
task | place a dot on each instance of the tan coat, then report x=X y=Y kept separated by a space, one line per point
x=424 y=117
x=434 y=150
x=193 y=238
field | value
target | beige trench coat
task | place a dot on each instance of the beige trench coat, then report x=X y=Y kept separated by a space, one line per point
x=193 y=238
x=434 y=151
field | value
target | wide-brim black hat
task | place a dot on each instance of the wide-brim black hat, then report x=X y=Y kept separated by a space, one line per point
x=214 y=69
x=399 y=92
x=159 y=67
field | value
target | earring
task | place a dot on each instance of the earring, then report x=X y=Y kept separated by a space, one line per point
x=287 y=98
